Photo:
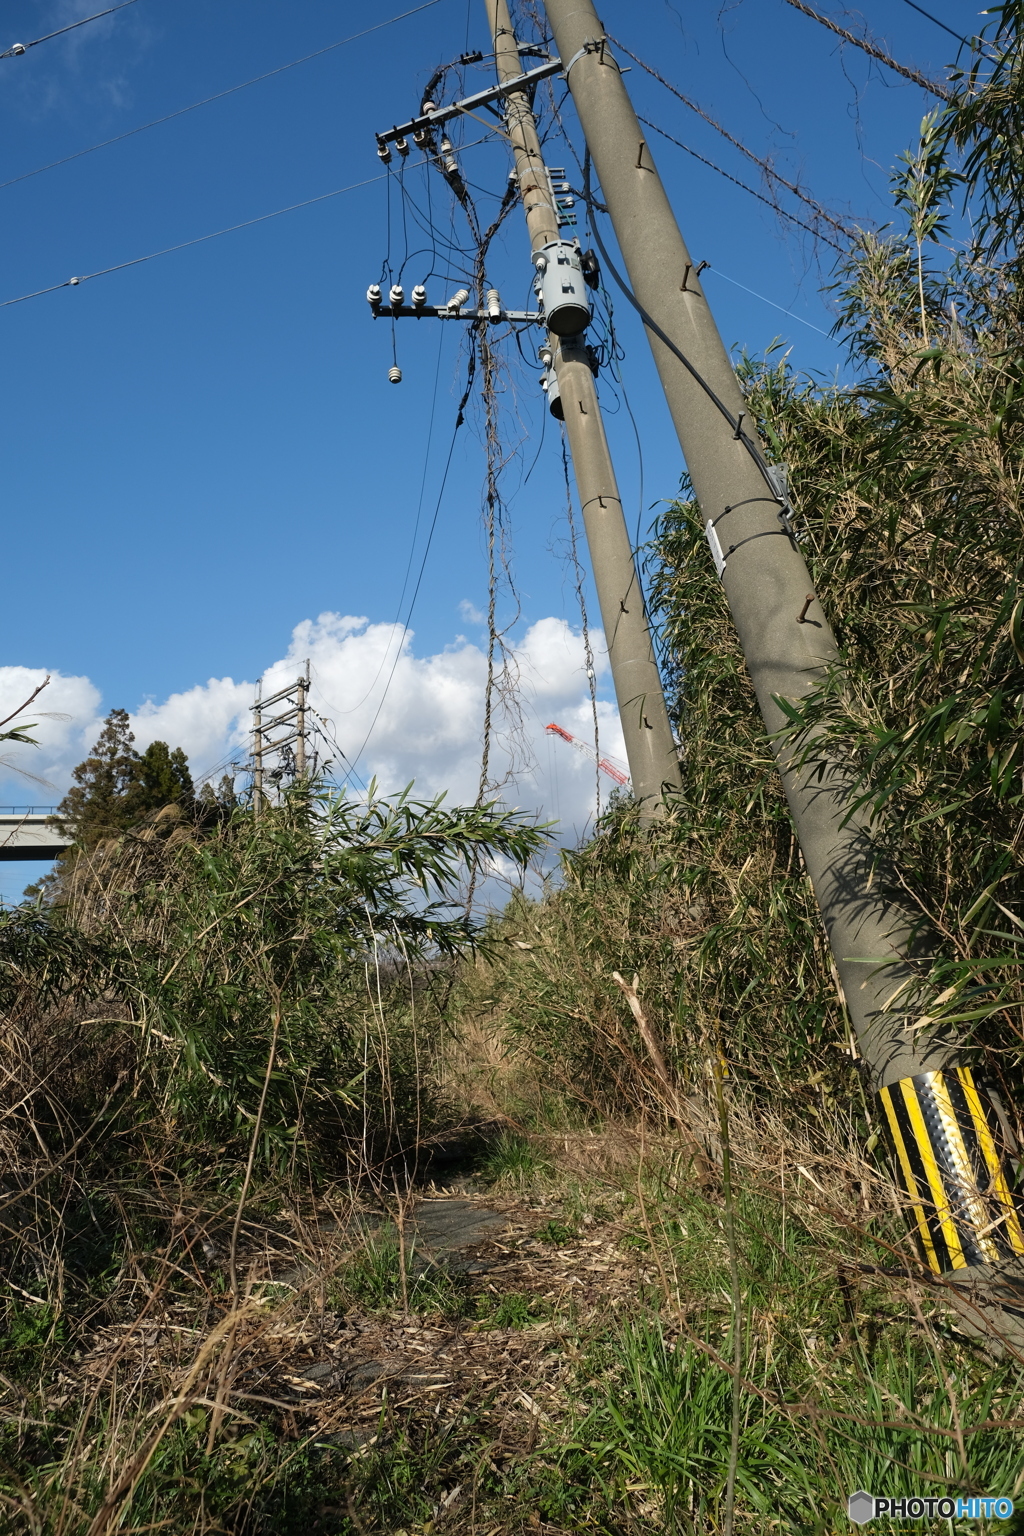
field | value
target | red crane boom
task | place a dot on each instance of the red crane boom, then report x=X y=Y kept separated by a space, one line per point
x=588 y=751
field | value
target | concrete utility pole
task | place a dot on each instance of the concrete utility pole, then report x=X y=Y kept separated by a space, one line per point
x=302 y=690
x=650 y=748
x=944 y=1127
x=257 y=751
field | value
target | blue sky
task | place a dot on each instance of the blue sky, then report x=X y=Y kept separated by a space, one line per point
x=202 y=452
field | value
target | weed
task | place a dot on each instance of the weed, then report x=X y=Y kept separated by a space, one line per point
x=514 y=1161
x=515 y=1309
x=556 y=1232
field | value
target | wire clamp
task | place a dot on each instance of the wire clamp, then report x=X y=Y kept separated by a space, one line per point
x=592 y=45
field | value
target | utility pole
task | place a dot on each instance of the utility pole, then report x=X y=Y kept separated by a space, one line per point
x=950 y=1153
x=650 y=747
x=257 y=752
x=290 y=748
x=302 y=688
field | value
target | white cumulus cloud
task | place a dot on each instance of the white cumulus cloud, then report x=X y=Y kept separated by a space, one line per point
x=398 y=715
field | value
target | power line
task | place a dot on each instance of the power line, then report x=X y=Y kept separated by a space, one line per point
x=782 y=213
x=16 y=49
x=459 y=419
x=217 y=97
x=73 y=282
x=754 y=294
x=875 y=52
x=765 y=166
x=928 y=16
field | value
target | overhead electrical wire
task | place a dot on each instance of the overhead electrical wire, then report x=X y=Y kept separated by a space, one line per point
x=752 y=447
x=17 y=49
x=929 y=17
x=218 y=96
x=875 y=52
x=459 y=419
x=782 y=212
x=765 y=165
x=74 y=282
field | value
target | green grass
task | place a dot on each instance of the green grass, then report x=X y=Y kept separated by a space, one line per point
x=372 y=1279
x=514 y=1162
x=516 y=1309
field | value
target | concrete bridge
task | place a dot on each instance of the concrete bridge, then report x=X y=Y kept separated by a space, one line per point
x=26 y=833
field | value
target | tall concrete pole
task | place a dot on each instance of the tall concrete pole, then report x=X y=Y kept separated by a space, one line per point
x=300 y=725
x=650 y=748
x=257 y=751
x=942 y=1125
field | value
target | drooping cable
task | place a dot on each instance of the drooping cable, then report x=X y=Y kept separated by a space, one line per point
x=775 y=207
x=764 y=165
x=459 y=419
x=875 y=52
x=73 y=282
x=652 y=325
x=581 y=598
x=218 y=96
x=17 y=49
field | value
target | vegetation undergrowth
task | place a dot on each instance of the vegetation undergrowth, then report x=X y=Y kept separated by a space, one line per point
x=245 y=1056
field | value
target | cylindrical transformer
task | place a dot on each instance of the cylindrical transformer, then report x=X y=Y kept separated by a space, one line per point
x=549 y=384
x=562 y=289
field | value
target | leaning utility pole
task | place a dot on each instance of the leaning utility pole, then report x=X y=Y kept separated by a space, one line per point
x=650 y=748
x=944 y=1127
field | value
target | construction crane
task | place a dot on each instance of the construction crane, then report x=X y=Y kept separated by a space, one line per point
x=588 y=751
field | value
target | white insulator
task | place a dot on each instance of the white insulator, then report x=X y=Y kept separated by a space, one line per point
x=402 y=145
x=17 y=48
x=394 y=375
x=384 y=154
x=493 y=304
x=458 y=299
x=419 y=296
x=397 y=294
x=373 y=294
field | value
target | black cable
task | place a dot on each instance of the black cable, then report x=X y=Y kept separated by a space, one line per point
x=459 y=419
x=929 y=17
x=17 y=49
x=73 y=282
x=217 y=97
x=765 y=166
x=781 y=212
x=652 y=325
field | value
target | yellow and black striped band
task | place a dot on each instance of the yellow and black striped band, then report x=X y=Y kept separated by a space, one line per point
x=951 y=1160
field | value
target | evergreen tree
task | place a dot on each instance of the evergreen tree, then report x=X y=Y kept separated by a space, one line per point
x=161 y=778
x=115 y=788
x=94 y=808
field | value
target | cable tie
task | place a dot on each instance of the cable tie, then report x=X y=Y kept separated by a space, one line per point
x=777 y=500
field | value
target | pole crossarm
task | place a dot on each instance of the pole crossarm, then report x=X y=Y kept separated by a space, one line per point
x=434 y=119
x=384 y=311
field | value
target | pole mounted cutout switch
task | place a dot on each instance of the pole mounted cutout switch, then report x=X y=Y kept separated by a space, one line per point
x=561 y=288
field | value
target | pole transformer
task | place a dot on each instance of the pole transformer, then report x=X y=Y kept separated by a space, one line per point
x=949 y=1136
x=650 y=747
